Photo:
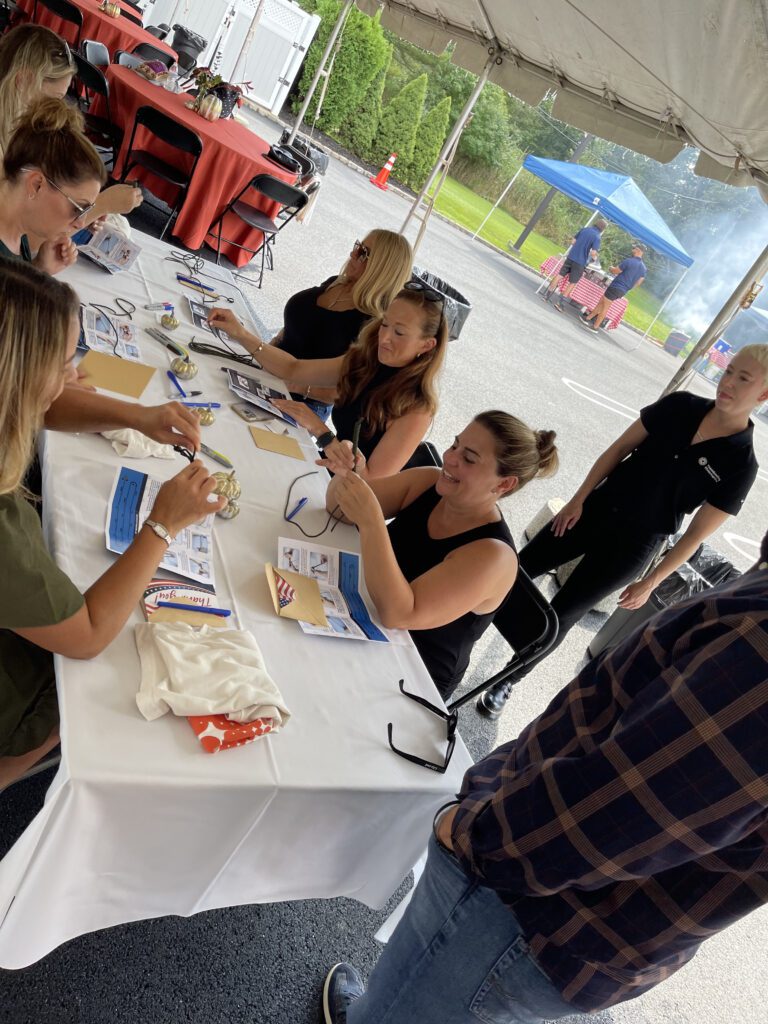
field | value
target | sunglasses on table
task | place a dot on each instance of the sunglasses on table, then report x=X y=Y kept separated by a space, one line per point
x=360 y=251
x=451 y=720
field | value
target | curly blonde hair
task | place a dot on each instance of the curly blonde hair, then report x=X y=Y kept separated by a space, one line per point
x=36 y=313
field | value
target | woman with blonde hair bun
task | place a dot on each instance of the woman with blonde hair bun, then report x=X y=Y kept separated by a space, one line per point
x=445 y=563
x=36 y=63
x=41 y=610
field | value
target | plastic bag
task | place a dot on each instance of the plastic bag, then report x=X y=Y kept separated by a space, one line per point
x=706 y=568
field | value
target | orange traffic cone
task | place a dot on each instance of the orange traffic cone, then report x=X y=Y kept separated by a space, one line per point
x=380 y=181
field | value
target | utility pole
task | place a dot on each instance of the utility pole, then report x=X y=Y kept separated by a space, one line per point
x=538 y=213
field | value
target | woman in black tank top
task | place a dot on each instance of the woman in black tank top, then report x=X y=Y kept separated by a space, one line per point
x=446 y=562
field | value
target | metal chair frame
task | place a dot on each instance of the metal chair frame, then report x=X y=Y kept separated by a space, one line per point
x=149 y=52
x=291 y=199
x=172 y=134
x=67 y=12
x=93 y=80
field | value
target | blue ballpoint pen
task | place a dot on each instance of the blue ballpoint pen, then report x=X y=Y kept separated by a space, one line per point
x=207 y=610
x=297 y=508
x=202 y=405
x=172 y=378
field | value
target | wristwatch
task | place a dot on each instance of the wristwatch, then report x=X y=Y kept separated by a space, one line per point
x=323 y=440
x=162 y=532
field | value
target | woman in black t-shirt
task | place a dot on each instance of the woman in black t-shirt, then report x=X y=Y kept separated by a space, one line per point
x=685 y=454
x=322 y=322
x=386 y=379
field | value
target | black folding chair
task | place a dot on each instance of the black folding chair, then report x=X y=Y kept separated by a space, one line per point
x=149 y=52
x=132 y=17
x=95 y=53
x=172 y=134
x=529 y=625
x=102 y=131
x=291 y=200
x=158 y=31
x=67 y=12
x=127 y=60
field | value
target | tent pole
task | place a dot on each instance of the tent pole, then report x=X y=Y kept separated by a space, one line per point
x=540 y=210
x=453 y=137
x=722 y=319
x=498 y=202
x=320 y=70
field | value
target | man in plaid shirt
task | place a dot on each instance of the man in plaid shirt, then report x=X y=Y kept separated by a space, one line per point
x=586 y=861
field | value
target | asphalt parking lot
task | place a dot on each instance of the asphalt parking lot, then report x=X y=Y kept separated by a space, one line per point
x=264 y=964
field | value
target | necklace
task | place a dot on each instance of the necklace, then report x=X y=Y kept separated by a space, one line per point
x=342 y=293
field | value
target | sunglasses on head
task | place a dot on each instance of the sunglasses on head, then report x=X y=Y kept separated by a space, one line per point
x=415 y=285
x=362 y=252
x=451 y=720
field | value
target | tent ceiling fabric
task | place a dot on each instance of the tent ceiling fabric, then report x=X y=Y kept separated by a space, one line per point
x=617 y=197
x=652 y=76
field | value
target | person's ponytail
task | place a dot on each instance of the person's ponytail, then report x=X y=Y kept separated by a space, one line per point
x=49 y=136
x=549 y=460
x=520 y=451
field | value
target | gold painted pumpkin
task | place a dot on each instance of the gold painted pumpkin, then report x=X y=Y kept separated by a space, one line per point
x=184 y=368
x=206 y=416
x=112 y=10
x=169 y=321
x=227 y=485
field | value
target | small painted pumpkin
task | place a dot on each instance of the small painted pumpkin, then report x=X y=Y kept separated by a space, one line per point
x=184 y=368
x=227 y=485
x=206 y=416
x=209 y=107
x=230 y=511
x=169 y=321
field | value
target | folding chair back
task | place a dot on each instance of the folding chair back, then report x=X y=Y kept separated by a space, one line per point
x=168 y=130
x=132 y=17
x=149 y=52
x=529 y=625
x=158 y=31
x=128 y=60
x=95 y=53
x=102 y=131
x=67 y=12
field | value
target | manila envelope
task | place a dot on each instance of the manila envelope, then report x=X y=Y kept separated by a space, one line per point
x=110 y=373
x=279 y=443
x=307 y=604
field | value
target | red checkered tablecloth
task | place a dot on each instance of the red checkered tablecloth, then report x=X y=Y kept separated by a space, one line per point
x=588 y=294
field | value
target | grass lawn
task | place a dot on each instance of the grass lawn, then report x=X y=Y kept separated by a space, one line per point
x=465 y=207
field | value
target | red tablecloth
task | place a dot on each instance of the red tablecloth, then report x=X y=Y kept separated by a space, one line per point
x=115 y=33
x=588 y=294
x=232 y=155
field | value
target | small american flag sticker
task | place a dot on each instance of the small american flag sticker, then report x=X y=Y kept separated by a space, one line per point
x=285 y=592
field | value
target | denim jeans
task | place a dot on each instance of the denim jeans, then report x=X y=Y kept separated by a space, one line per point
x=457 y=957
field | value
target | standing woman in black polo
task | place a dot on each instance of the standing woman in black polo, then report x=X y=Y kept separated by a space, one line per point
x=684 y=454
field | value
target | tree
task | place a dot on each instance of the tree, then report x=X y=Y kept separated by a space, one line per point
x=429 y=141
x=400 y=121
x=362 y=53
x=360 y=128
x=486 y=139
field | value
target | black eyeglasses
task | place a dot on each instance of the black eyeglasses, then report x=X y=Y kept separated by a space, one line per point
x=81 y=211
x=450 y=718
x=362 y=252
x=415 y=285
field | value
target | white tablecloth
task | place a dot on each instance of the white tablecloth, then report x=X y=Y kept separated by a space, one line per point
x=139 y=821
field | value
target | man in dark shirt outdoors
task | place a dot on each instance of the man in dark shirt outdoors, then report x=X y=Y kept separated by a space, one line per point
x=586 y=861
x=586 y=242
x=630 y=274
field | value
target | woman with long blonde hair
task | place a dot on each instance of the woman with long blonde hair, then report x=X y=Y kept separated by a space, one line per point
x=41 y=610
x=35 y=63
x=321 y=322
x=387 y=380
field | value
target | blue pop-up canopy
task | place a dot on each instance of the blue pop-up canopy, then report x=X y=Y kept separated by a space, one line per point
x=616 y=197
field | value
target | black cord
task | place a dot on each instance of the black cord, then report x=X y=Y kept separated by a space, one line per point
x=205 y=349
x=292 y=522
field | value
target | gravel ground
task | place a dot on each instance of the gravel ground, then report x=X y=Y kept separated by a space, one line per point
x=264 y=964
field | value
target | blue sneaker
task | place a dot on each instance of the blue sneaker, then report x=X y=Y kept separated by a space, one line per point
x=342 y=986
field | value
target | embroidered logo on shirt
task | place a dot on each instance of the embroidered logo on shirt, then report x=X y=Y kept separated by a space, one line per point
x=703 y=462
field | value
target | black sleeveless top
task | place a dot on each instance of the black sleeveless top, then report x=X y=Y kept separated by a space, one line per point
x=445 y=650
x=344 y=417
x=313 y=332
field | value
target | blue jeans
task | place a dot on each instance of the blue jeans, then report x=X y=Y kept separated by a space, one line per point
x=457 y=957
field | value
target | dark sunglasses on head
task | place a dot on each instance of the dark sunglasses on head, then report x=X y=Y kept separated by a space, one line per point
x=362 y=252
x=415 y=285
x=450 y=718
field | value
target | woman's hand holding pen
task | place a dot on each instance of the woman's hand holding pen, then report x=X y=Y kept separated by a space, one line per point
x=225 y=320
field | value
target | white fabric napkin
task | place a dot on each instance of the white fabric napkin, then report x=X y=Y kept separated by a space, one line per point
x=205 y=671
x=132 y=444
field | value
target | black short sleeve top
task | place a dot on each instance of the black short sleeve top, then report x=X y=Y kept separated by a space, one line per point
x=667 y=477
x=313 y=332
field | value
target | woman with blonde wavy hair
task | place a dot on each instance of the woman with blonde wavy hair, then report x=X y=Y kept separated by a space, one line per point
x=37 y=63
x=41 y=610
x=322 y=322
x=387 y=379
